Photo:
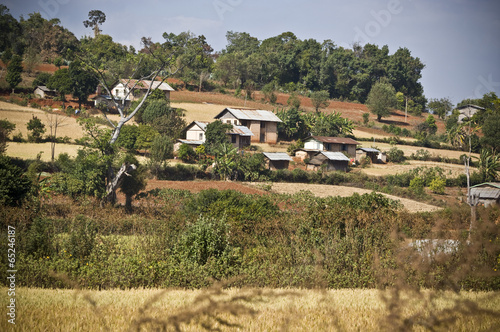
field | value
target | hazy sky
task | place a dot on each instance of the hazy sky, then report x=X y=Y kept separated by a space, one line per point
x=457 y=40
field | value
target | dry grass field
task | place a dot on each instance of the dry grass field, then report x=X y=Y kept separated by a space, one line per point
x=250 y=309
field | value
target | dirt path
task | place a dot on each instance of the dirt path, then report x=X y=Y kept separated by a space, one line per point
x=323 y=190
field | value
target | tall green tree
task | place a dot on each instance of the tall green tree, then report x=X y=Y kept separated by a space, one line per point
x=320 y=99
x=62 y=83
x=37 y=129
x=83 y=82
x=491 y=132
x=10 y=43
x=381 y=99
x=216 y=135
x=14 y=71
x=6 y=127
x=96 y=18
x=440 y=107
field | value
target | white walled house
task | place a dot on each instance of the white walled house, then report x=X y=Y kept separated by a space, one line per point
x=137 y=89
x=239 y=136
x=333 y=144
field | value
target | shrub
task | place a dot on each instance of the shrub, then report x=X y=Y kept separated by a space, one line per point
x=204 y=239
x=186 y=153
x=437 y=185
x=365 y=162
x=417 y=185
x=81 y=239
x=396 y=155
x=422 y=154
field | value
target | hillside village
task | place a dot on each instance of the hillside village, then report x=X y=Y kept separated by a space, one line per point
x=277 y=184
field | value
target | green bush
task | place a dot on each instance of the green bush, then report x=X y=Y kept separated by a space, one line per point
x=396 y=155
x=437 y=185
x=417 y=185
x=14 y=185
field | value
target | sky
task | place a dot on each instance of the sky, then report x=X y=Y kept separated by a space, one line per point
x=458 y=41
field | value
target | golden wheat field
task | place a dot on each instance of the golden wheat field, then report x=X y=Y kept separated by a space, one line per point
x=247 y=310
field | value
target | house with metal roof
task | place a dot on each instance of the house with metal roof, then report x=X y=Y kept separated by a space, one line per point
x=239 y=136
x=43 y=92
x=333 y=144
x=487 y=193
x=135 y=89
x=375 y=155
x=330 y=161
x=467 y=111
x=277 y=160
x=263 y=124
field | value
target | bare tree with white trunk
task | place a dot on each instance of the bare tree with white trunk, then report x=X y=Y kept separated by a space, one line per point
x=164 y=58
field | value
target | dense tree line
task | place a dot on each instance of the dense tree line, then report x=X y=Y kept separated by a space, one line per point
x=308 y=65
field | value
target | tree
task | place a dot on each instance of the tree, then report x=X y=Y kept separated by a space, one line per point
x=14 y=71
x=54 y=121
x=381 y=99
x=293 y=101
x=162 y=149
x=165 y=119
x=225 y=160
x=489 y=165
x=37 y=129
x=9 y=38
x=134 y=181
x=440 y=107
x=62 y=83
x=160 y=59
x=186 y=153
x=320 y=99
x=83 y=82
x=96 y=17
x=41 y=79
x=14 y=186
x=216 y=135
x=491 y=132
x=331 y=125
x=6 y=127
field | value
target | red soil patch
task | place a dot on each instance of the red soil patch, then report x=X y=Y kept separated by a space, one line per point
x=196 y=187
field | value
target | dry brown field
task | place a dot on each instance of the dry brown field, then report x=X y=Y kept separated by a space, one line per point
x=266 y=310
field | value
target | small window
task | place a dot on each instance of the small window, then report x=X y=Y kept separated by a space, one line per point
x=233 y=138
x=228 y=121
x=344 y=147
x=262 y=125
x=201 y=136
x=236 y=122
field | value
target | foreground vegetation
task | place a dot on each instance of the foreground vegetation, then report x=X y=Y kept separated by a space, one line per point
x=179 y=239
x=252 y=310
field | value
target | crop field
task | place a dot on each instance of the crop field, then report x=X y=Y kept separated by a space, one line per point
x=247 y=310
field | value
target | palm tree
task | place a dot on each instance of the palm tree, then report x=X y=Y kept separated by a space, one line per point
x=489 y=165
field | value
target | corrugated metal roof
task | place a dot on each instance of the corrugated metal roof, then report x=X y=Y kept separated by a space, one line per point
x=338 y=156
x=45 y=89
x=338 y=140
x=369 y=150
x=202 y=124
x=241 y=130
x=248 y=114
x=144 y=84
x=191 y=141
x=487 y=184
x=276 y=156
x=485 y=192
